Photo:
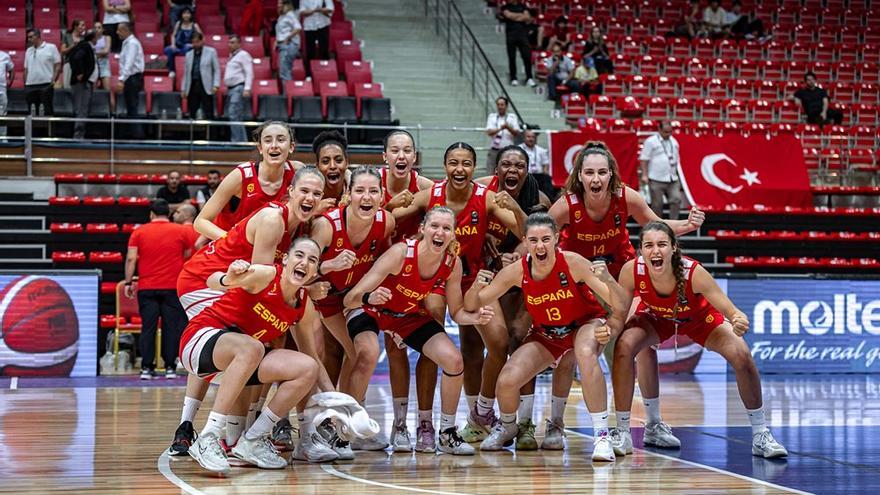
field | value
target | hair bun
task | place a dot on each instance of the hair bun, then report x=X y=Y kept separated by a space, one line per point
x=596 y=145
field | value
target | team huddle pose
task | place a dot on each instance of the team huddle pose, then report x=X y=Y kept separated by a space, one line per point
x=306 y=266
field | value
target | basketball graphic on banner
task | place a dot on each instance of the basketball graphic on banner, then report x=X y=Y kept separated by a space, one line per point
x=39 y=330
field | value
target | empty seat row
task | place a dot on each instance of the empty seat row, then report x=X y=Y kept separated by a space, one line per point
x=79 y=257
x=789 y=235
x=80 y=178
x=802 y=262
x=92 y=228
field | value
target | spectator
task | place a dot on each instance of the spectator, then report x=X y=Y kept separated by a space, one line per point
x=251 y=18
x=315 y=15
x=516 y=17
x=181 y=38
x=184 y=216
x=587 y=77
x=239 y=80
x=558 y=33
x=560 y=70
x=156 y=250
x=115 y=12
x=101 y=46
x=659 y=160
x=205 y=193
x=714 y=18
x=539 y=163
x=814 y=99
x=745 y=25
x=70 y=39
x=42 y=64
x=201 y=78
x=689 y=26
x=176 y=8
x=173 y=192
x=83 y=74
x=131 y=75
x=596 y=47
x=287 y=39
x=7 y=75
x=502 y=127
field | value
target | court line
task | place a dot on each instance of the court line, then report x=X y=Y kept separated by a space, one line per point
x=164 y=465
x=13 y=383
x=710 y=468
x=329 y=469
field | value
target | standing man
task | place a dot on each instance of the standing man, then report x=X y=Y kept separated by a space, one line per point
x=205 y=193
x=502 y=127
x=131 y=75
x=287 y=38
x=239 y=80
x=42 y=64
x=173 y=192
x=157 y=250
x=659 y=163
x=201 y=78
x=7 y=75
x=539 y=163
x=516 y=18
x=316 y=16
x=83 y=74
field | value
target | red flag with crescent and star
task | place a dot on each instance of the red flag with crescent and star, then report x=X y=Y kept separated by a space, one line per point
x=744 y=171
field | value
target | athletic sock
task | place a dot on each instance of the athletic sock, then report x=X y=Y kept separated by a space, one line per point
x=756 y=419
x=623 y=420
x=263 y=425
x=190 y=408
x=600 y=423
x=526 y=406
x=652 y=408
x=426 y=416
x=484 y=405
x=557 y=407
x=447 y=421
x=234 y=429
x=216 y=424
x=471 y=401
x=306 y=425
x=401 y=404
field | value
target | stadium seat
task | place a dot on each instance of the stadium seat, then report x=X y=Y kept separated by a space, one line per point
x=342 y=110
x=674 y=67
x=102 y=228
x=323 y=71
x=62 y=103
x=121 y=111
x=152 y=42
x=99 y=201
x=66 y=228
x=101 y=179
x=128 y=228
x=640 y=86
x=690 y=87
x=788 y=112
x=273 y=107
x=740 y=89
x=307 y=110
x=736 y=110
x=331 y=88
x=109 y=257
x=603 y=106
x=714 y=88
x=298 y=88
x=164 y=104
x=665 y=87
x=683 y=109
x=68 y=257
x=357 y=72
x=762 y=111
x=64 y=200
x=710 y=110
x=347 y=50
x=366 y=90
x=656 y=108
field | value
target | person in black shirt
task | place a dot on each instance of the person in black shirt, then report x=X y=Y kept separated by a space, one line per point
x=516 y=17
x=82 y=69
x=596 y=47
x=814 y=101
x=174 y=192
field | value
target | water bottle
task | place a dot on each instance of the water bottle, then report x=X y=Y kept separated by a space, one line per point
x=179 y=114
x=164 y=114
x=200 y=114
x=42 y=110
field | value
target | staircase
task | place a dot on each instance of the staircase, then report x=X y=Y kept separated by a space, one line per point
x=24 y=233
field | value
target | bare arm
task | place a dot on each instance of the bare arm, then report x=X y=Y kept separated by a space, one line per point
x=559 y=211
x=480 y=293
x=454 y=302
x=131 y=258
x=204 y=222
x=243 y=275
x=266 y=229
x=389 y=263
x=505 y=209
x=304 y=336
x=419 y=205
x=643 y=214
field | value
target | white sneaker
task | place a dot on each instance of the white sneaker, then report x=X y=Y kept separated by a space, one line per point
x=259 y=452
x=764 y=445
x=514 y=82
x=602 y=449
x=327 y=431
x=400 y=439
x=377 y=442
x=622 y=441
x=451 y=443
x=208 y=452
x=554 y=436
x=660 y=435
x=531 y=83
x=313 y=448
x=501 y=436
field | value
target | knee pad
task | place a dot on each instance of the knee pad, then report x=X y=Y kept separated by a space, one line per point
x=349 y=417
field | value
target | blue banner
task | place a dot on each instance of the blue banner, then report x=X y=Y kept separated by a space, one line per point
x=811 y=326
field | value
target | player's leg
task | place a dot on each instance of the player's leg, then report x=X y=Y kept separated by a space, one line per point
x=335 y=325
x=518 y=322
x=657 y=433
x=185 y=435
x=587 y=351
x=637 y=336
x=563 y=377
x=481 y=417
x=426 y=382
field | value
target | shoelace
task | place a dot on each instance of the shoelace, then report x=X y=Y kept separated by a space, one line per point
x=665 y=428
x=764 y=439
x=216 y=448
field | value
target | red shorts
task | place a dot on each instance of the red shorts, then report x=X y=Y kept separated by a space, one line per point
x=401 y=326
x=330 y=305
x=557 y=345
x=697 y=328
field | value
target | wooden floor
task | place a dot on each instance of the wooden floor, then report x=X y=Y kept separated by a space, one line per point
x=108 y=437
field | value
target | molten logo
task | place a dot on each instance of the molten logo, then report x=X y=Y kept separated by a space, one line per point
x=844 y=313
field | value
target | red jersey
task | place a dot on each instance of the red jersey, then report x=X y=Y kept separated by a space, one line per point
x=218 y=254
x=160 y=245
x=607 y=239
x=495 y=227
x=470 y=227
x=408 y=288
x=252 y=195
x=407 y=227
x=558 y=302
x=264 y=316
x=693 y=306
x=373 y=245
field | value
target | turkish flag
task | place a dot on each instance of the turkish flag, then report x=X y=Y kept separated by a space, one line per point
x=565 y=145
x=744 y=171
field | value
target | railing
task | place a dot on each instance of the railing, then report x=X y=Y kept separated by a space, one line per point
x=473 y=63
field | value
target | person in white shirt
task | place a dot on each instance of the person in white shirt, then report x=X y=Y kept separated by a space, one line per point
x=239 y=79
x=560 y=70
x=115 y=12
x=287 y=39
x=131 y=75
x=714 y=18
x=7 y=75
x=539 y=162
x=659 y=160
x=315 y=16
x=502 y=127
x=42 y=64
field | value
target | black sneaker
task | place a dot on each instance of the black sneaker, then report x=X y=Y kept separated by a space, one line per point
x=147 y=374
x=283 y=435
x=183 y=439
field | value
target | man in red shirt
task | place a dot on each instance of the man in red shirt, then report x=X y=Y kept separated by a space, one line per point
x=158 y=249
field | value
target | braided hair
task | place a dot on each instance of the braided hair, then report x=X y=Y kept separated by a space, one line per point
x=574 y=185
x=677 y=265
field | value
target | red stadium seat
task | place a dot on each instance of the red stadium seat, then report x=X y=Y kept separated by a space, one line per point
x=357 y=72
x=71 y=257
x=220 y=42
x=324 y=71
x=640 y=86
x=788 y=112
x=728 y=49
x=262 y=68
x=614 y=85
x=603 y=106
x=66 y=228
x=740 y=89
x=704 y=48
x=649 y=65
x=683 y=109
x=665 y=87
x=865 y=114
x=590 y=124
x=298 y=88
x=645 y=125
x=134 y=201
x=99 y=201
x=629 y=106
x=722 y=69
x=746 y=69
x=574 y=107
x=690 y=87
x=710 y=109
x=366 y=90
x=102 y=228
x=736 y=110
x=253 y=45
x=347 y=50
x=108 y=321
x=68 y=178
x=674 y=67
x=762 y=111
x=714 y=88
x=153 y=43
x=656 y=108
x=105 y=257
x=64 y=200
x=845 y=72
x=134 y=179
x=331 y=88
x=777 y=51
x=772 y=70
x=618 y=125
x=766 y=90
x=128 y=228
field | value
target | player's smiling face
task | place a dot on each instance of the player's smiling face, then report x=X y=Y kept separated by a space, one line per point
x=275 y=144
x=595 y=176
x=333 y=163
x=459 y=168
x=305 y=196
x=366 y=195
x=438 y=231
x=541 y=242
x=301 y=263
x=657 y=250
x=400 y=155
x=511 y=171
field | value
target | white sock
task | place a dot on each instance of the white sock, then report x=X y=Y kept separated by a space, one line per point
x=234 y=429
x=426 y=416
x=623 y=420
x=557 y=407
x=190 y=408
x=507 y=419
x=652 y=407
x=484 y=405
x=526 y=406
x=471 y=401
x=600 y=423
x=263 y=425
x=216 y=424
x=447 y=421
x=401 y=404
x=306 y=425
x=756 y=419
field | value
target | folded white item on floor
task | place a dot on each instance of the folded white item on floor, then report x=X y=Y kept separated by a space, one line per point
x=349 y=417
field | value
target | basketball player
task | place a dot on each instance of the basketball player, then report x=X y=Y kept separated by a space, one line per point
x=389 y=299
x=678 y=296
x=595 y=206
x=262 y=303
x=473 y=204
